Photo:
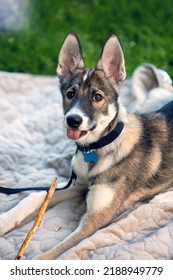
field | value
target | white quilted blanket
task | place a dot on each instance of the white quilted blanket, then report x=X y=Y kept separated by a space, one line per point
x=34 y=149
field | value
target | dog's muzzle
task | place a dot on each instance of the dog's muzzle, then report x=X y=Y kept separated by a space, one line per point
x=73 y=122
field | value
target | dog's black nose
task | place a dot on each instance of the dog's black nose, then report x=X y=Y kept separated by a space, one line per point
x=74 y=121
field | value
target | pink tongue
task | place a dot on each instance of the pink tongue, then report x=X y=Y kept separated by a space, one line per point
x=73 y=134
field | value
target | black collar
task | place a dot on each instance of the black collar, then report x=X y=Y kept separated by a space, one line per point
x=105 y=140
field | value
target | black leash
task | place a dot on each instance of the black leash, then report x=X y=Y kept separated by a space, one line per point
x=89 y=156
x=17 y=190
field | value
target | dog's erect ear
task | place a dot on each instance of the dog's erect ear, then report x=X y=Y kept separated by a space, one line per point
x=70 y=56
x=112 y=60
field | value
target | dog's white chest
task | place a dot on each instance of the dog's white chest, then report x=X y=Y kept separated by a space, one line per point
x=80 y=167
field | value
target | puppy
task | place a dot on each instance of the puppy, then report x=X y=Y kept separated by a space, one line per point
x=121 y=158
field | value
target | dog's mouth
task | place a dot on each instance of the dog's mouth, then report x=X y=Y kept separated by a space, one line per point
x=75 y=134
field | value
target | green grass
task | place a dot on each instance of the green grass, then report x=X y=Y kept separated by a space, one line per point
x=145 y=29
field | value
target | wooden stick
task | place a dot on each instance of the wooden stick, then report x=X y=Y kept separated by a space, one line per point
x=37 y=220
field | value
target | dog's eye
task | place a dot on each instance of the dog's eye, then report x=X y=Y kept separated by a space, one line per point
x=97 y=97
x=70 y=94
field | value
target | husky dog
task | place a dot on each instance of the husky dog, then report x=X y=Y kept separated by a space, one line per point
x=121 y=158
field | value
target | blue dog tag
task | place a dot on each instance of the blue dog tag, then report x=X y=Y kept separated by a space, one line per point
x=90 y=156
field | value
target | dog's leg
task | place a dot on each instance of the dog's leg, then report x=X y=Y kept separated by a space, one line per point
x=100 y=211
x=31 y=204
x=61 y=195
x=20 y=212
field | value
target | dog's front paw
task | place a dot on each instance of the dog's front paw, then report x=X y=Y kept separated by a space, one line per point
x=5 y=225
x=51 y=254
x=40 y=257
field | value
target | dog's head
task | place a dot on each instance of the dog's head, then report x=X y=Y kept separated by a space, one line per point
x=90 y=95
